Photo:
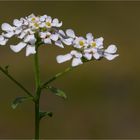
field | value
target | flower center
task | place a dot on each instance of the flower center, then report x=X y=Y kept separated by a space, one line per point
x=93 y=44
x=36 y=25
x=81 y=43
x=48 y=24
x=33 y=19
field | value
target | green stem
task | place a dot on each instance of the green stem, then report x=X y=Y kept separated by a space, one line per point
x=15 y=81
x=37 y=94
x=56 y=76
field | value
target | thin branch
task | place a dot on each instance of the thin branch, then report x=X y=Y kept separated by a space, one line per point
x=15 y=81
x=56 y=76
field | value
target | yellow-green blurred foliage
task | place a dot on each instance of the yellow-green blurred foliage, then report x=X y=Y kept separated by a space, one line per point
x=103 y=96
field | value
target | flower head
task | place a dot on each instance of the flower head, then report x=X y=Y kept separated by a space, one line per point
x=33 y=30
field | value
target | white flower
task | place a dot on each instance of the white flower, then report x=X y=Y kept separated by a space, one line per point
x=74 y=55
x=109 y=53
x=79 y=42
x=3 y=41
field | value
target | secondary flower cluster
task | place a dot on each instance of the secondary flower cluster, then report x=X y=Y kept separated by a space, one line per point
x=34 y=30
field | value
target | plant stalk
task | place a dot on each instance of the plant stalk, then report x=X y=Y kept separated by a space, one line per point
x=37 y=94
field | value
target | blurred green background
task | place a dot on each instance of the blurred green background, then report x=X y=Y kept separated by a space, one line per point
x=103 y=96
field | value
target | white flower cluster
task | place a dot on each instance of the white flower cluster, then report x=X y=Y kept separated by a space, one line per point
x=34 y=30
x=87 y=49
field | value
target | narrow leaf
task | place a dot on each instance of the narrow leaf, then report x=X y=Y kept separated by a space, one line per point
x=44 y=114
x=19 y=100
x=57 y=92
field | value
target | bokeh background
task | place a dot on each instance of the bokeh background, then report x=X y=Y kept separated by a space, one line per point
x=103 y=96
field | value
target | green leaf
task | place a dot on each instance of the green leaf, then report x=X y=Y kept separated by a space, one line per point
x=19 y=100
x=44 y=114
x=57 y=92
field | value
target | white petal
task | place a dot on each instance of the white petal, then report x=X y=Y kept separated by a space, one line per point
x=67 y=41
x=42 y=18
x=47 y=41
x=1 y=38
x=96 y=55
x=3 y=41
x=7 y=27
x=18 y=31
x=56 y=23
x=22 y=35
x=70 y=33
x=61 y=32
x=30 y=49
x=76 y=62
x=63 y=58
x=99 y=41
x=30 y=39
x=59 y=44
x=76 y=54
x=88 y=56
x=17 y=22
x=43 y=34
x=18 y=47
x=111 y=49
x=8 y=34
x=89 y=36
x=110 y=56
x=54 y=37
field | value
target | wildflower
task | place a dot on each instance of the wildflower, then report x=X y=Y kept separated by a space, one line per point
x=74 y=55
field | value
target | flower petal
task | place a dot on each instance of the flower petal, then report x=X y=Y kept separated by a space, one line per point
x=89 y=36
x=61 y=32
x=43 y=34
x=42 y=18
x=59 y=44
x=88 y=56
x=70 y=33
x=7 y=27
x=96 y=56
x=30 y=39
x=30 y=49
x=22 y=35
x=17 y=22
x=54 y=37
x=76 y=62
x=3 y=41
x=76 y=54
x=110 y=56
x=99 y=41
x=63 y=58
x=47 y=41
x=18 y=47
x=8 y=34
x=111 y=49
x=67 y=41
